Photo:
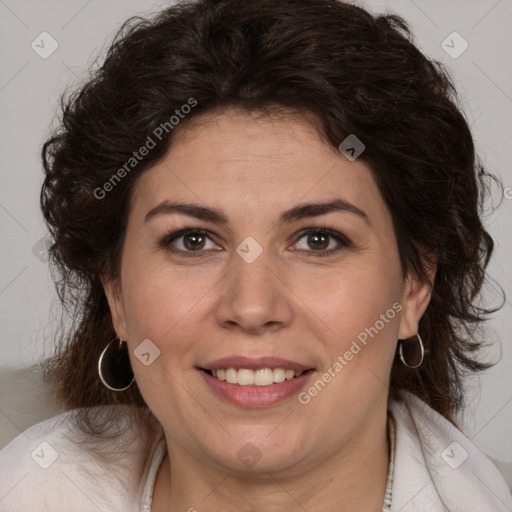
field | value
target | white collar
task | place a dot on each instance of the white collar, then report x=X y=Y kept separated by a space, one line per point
x=437 y=468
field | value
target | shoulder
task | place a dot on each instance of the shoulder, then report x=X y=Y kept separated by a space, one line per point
x=436 y=463
x=53 y=466
x=505 y=469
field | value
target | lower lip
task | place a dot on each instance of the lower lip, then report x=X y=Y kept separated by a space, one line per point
x=256 y=396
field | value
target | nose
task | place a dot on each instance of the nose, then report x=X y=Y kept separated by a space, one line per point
x=254 y=297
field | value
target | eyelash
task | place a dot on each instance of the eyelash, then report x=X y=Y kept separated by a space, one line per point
x=344 y=242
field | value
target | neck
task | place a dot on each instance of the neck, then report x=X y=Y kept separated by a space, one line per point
x=349 y=479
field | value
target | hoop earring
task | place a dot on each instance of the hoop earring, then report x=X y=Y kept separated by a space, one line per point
x=114 y=366
x=422 y=353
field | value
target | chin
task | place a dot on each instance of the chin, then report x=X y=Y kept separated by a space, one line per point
x=258 y=456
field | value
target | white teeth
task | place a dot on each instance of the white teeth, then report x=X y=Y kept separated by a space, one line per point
x=245 y=377
x=232 y=376
x=263 y=377
x=260 y=377
x=279 y=375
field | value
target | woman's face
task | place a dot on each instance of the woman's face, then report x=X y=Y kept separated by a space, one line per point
x=265 y=281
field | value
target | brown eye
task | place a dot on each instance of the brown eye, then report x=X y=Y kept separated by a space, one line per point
x=321 y=242
x=318 y=241
x=188 y=242
x=194 y=241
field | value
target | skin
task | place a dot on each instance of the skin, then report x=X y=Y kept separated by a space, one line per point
x=332 y=453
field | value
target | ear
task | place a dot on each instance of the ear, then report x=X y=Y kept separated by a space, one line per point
x=416 y=297
x=113 y=292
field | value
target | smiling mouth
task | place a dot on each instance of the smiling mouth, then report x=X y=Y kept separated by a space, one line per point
x=260 y=377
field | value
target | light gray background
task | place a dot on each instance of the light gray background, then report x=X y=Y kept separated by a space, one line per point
x=29 y=90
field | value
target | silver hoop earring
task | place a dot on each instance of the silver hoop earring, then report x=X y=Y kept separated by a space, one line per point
x=415 y=353
x=114 y=366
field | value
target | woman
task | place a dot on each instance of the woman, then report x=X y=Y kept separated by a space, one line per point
x=267 y=218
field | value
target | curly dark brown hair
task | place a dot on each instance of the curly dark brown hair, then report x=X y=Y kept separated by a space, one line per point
x=351 y=71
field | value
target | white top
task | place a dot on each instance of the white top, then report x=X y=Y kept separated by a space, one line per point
x=433 y=468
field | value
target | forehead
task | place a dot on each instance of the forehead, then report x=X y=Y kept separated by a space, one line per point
x=260 y=164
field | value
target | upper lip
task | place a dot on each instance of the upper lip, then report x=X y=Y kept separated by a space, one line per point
x=252 y=363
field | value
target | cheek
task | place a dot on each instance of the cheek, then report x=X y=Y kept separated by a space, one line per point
x=167 y=305
x=351 y=299
x=157 y=296
x=360 y=307
x=162 y=307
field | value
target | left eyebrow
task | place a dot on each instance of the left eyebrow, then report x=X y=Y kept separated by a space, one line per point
x=216 y=216
x=306 y=210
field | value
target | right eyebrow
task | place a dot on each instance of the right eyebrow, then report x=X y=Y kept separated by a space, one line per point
x=192 y=210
